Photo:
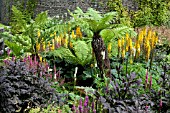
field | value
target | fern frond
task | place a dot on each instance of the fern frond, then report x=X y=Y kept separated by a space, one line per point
x=82 y=51
x=18 y=21
x=118 y=32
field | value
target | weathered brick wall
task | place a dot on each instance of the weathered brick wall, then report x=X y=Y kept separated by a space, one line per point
x=59 y=7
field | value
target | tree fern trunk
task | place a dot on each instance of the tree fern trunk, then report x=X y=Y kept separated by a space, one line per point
x=101 y=55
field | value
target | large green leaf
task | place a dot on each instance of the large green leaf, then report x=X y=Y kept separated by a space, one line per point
x=41 y=18
x=16 y=49
x=83 y=52
x=82 y=55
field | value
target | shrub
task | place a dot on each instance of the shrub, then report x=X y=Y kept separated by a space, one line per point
x=21 y=89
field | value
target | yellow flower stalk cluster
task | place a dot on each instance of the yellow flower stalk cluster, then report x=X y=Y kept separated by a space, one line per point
x=125 y=45
x=144 y=45
x=58 y=40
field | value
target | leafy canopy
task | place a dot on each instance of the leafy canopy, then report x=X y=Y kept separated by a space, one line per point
x=93 y=21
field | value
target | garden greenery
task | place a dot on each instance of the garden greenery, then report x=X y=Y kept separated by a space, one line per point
x=54 y=66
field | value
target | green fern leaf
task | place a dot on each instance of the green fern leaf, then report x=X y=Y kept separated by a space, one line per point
x=82 y=51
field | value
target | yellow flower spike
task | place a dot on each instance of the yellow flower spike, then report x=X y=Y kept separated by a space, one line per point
x=156 y=39
x=123 y=53
x=40 y=58
x=123 y=42
x=73 y=35
x=127 y=36
x=153 y=41
x=51 y=35
x=43 y=46
x=149 y=34
x=53 y=44
x=144 y=31
x=38 y=33
x=55 y=38
x=71 y=45
x=54 y=33
x=78 y=32
x=37 y=46
x=148 y=53
x=49 y=45
x=130 y=44
x=119 y=43
x=140 y=37
x=62 y=41
x=137 y=47
x=109 y=48
x=66 y=43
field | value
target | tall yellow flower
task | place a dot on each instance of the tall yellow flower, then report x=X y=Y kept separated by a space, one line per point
x=140 y=37
x=53 y=45
x=149 y=34
x=40 y=58
x=148 y=52
x=123 y=53
x=73 y=35
x=127 y=36
x=123 y=42
x=78 y=32
x=109 y=48
x=49 y=45
x=54 y=33
x=130 y=44
x=59 y=40
x=38 y=33
x=71 y=45
x=51 y=35
x=119 y=43
x=37 y=46
x=66 y=43
x=43 y=46
x=153 y=41
x=137 y=47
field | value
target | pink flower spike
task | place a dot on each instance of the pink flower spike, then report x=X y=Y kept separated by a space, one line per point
x=13 y=58
x=150 y=82
x=8 y=52
x=146 y=78
x=25 y=59
x=35 y=60
x=30 y=62
x=160 y=104
x=29 y=58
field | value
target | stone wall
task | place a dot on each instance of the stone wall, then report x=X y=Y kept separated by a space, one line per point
x=59 y=7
